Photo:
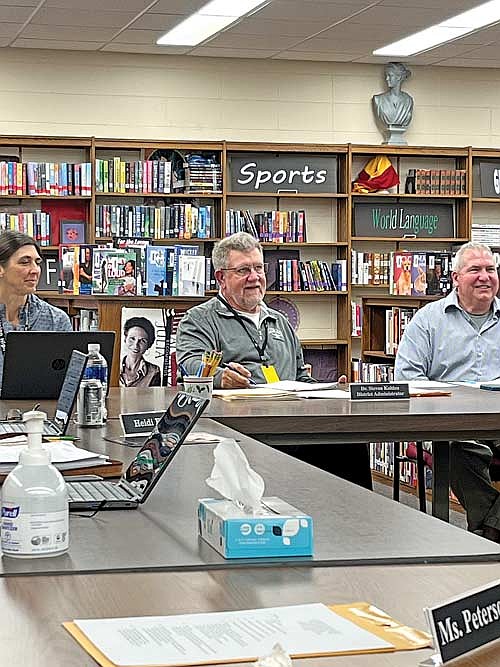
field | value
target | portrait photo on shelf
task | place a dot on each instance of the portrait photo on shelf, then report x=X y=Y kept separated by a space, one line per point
x=72 y=231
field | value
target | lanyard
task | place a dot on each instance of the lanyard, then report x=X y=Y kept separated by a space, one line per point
x=25 y=311
x=260 y=348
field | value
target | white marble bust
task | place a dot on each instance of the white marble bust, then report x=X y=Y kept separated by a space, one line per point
x=394 y=108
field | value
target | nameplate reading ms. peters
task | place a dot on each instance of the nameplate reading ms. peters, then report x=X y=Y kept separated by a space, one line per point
x=466 y=622
x=370 y=391
x=139 y=423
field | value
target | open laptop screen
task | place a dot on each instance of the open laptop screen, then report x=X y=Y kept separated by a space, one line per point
x=164 y=442
x=35 y=362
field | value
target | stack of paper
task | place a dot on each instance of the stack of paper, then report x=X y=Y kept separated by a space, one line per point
x=262 y=392
x=64 y=455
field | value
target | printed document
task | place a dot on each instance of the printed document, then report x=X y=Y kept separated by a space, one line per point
x=190 y=639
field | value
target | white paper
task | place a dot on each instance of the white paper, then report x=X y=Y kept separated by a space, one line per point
x=63 y=454
x=428 y=384
x=325 y=393
x=293 y=385
x=263 y=391
x=191 y=639
x=201 y=437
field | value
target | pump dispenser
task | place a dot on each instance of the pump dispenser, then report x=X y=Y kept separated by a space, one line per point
x=35 y=511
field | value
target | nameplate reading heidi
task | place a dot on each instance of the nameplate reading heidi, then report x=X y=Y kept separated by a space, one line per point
x=376 y=391
x=465 y=623
x=139 y=423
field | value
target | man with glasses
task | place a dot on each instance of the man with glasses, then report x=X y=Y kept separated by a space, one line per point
x=257 y=344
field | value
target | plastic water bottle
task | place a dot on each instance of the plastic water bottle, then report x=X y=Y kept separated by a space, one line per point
x=97 y=371
x=35 y=510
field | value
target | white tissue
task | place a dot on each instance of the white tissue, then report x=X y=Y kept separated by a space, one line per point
x=278 y=658
x=233 y=477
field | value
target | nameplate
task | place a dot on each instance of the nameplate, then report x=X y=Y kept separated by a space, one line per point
x=465 y=623
x=371 y=391
x=139 y=423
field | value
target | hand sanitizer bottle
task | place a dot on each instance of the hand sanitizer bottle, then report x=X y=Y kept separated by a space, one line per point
x=35 y=511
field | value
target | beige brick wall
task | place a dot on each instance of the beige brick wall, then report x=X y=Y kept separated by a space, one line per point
x=156 y=97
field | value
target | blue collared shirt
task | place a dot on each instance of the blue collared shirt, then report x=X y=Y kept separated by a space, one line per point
x=441 y=343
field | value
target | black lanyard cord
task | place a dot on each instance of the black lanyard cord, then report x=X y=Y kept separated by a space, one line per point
x=260 y=348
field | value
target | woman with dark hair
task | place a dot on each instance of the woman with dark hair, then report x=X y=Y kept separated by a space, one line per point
x=20 y=309
x=128 y=288
x=138 y=336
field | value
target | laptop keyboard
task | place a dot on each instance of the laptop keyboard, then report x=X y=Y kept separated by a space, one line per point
x=91 y=491
x=16 y=428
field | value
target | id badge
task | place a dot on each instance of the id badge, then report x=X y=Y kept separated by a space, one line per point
x=270 y=374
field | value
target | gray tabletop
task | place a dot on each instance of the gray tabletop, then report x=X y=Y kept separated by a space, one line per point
x=351 y=525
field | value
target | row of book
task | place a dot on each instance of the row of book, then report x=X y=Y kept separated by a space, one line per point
x=202 y=173
x=314 y=275
x=370 y=268
x=365 y=371
x=268 y=226
x=178 y=221
x=139 y=176
x=396 y=321
x=486 y=233
x=436 y=182
x=420 y=273
x=356 y=319
x=53 y=179
x=34 y=223
x=134 y=269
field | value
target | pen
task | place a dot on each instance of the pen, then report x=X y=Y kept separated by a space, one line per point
x=250 y=379
x=183 y=370
x=55 y=438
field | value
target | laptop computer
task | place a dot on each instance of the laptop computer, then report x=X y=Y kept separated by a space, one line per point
x=35 y=362
x=67 y=397
x=149 y=464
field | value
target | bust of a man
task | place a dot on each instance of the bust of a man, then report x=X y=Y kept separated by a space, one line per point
x=394 y=108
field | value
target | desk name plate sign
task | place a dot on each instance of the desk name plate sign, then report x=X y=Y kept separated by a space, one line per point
x=376 y=391
x=139 y=423
x=465 y=623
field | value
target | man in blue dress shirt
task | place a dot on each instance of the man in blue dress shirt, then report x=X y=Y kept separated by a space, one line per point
x=458 y=339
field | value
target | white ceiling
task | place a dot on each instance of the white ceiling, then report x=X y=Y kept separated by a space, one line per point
x=322 y=30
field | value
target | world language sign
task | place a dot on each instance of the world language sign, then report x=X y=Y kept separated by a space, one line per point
x=404 y=220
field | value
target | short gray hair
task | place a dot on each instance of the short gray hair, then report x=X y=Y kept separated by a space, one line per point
x=241 y=241
x=458 y=260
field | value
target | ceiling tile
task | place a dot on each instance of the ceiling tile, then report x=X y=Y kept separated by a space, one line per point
x=131 y=36
x=231 y=39
x=320 y=56
x=145 y=48
x=230 y=53
x=56 y=44
x=310 y=10
x=177 y=6
x=82 y=17
x=67 y=33
x=101 y=5
x=161 y=22
x=283 y=27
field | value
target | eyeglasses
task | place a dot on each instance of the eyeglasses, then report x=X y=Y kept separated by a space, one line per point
x=245 y=271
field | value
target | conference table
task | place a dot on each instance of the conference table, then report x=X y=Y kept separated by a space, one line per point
x=150 y=561
x=31 y=634
x=468 y=413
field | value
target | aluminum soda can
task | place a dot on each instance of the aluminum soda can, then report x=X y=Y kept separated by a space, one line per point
x=90 y=404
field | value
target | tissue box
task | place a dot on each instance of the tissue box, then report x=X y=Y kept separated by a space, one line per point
x=278 y=530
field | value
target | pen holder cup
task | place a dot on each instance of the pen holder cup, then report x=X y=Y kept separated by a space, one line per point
x=200 y=386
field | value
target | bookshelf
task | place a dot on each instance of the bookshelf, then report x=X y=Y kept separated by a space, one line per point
x=436 y=186
x=273 y=184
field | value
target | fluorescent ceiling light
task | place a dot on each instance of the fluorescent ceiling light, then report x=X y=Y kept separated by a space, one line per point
x=207 y=21
x=452 y=28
